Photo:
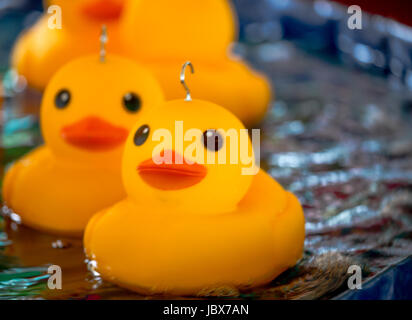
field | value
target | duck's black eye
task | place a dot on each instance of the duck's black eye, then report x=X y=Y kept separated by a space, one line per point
x=141 y=135
x=212 y=140
x=62 y=99
x=132 y=102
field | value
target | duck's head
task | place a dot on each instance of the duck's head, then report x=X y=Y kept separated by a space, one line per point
x=89 y=11
x=89 y=107
x=200 y=29
x=161 y=162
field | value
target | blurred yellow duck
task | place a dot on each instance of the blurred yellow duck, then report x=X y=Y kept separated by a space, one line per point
x=44 y=48
x=163 y=33
x=188 y=224
x=87 y=111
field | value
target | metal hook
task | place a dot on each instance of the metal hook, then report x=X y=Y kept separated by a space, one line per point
x=183 y=81
x=103 y=41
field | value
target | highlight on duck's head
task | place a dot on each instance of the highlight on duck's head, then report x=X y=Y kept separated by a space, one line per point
x=89 y=106
x=78 y=12
x=200 y=29
x=193 y=156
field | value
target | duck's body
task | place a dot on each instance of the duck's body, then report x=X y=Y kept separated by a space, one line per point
x=162 y=34
x=191 y=222
x=56 y=196
x=41 y=50
x=157 y=251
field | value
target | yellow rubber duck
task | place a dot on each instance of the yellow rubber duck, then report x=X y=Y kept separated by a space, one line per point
x=45 y=48
x=187 y=224
x=163 y=33
x=87 y=111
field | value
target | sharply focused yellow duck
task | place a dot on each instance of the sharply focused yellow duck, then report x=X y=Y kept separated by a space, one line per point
x=163 y=33
x=44 y=48
x=86 y=113
x=189 y=224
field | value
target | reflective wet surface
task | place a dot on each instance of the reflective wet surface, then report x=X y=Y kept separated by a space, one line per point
x=340 y=139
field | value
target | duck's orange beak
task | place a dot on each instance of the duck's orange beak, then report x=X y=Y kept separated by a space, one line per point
x=171 y=176
x=94 y=133
x=103 y=10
